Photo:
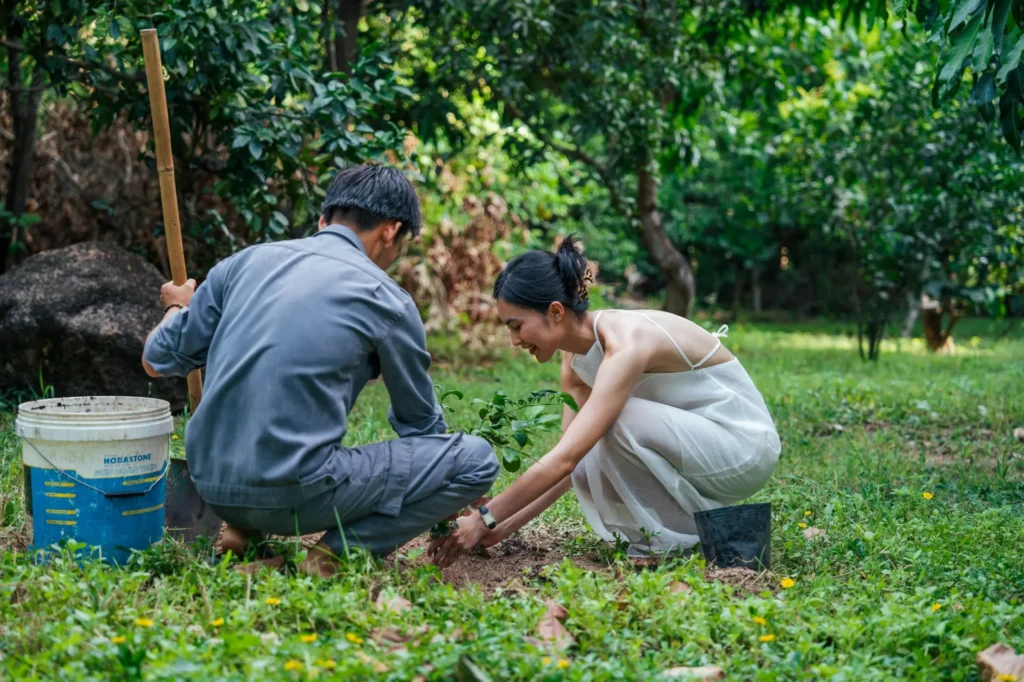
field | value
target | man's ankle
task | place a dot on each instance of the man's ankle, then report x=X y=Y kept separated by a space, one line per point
x=236 y=539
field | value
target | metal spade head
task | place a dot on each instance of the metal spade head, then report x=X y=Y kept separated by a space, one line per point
x=187 y=516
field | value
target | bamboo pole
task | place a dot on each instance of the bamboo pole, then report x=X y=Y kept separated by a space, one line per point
x=165 y=170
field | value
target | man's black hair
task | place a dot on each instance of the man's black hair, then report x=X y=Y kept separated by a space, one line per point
x=364 y=196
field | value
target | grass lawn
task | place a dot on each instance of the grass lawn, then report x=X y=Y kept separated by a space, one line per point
x=910 y=466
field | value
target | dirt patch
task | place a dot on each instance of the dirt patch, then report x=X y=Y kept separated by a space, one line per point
x=513 y=564
x=952 y=447
x=14 y=539
x=743 y=579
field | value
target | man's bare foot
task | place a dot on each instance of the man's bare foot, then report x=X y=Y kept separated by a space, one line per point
x=320 y=561
x=236 y=539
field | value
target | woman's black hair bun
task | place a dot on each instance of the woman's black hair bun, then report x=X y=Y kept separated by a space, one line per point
x=573 y=269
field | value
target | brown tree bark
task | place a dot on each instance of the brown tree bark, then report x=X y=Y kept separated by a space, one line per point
x=681 y=286
x=939 y=340
x=343 y=49
x=24 y=104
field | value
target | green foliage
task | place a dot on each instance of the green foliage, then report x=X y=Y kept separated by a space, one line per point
x=920 y=198
x=252 y=112
x=835 y=176
x=509 y=424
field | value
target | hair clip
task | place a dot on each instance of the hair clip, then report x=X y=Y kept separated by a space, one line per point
x=588 y=279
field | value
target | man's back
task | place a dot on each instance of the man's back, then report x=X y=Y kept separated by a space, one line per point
x=290 y=332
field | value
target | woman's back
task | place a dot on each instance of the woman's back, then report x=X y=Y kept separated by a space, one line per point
x=690 y=369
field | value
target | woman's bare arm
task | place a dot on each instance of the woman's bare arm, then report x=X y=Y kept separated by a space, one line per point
x=623 y=366
x=580 y=392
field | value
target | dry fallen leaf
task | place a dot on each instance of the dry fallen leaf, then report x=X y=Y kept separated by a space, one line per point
x=1018 y=433
x=1000 y=662
x=378 y=667
x=394 y=639
x=19 y=594
x=702 y=674
x=394 y=603
x=550 y=628
x=679 y=586
x=813 y=533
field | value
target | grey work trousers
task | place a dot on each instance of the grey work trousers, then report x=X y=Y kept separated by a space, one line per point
x=445 y=473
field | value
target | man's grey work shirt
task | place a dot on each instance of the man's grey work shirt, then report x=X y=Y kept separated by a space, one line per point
x=289 y=333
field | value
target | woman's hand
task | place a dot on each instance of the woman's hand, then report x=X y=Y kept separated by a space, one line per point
x=469 y=532
x=493 y=537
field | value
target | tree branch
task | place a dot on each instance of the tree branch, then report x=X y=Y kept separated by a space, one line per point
x=134 y=77
x=87 y=65
x=601 y=171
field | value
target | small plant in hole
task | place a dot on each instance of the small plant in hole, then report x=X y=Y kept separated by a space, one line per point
x=507 y=424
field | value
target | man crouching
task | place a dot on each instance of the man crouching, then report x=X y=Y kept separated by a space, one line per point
x=289 y=333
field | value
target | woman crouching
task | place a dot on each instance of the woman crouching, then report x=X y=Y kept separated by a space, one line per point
x=669 y=424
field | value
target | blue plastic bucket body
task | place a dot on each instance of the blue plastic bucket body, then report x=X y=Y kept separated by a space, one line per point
x=64 y=510
x=95 y=472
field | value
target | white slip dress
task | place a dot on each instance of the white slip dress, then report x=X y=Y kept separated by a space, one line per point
x=684 y=442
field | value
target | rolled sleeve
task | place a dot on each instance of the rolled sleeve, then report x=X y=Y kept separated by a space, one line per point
x=404 y=364
x=182 y=342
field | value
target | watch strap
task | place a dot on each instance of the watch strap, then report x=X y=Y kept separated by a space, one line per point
x=488 y=517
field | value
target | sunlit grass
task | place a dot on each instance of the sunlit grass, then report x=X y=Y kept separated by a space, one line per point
x=909 y=465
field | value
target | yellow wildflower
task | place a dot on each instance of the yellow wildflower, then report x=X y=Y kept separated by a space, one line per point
x=767 y=638
x=787 y=583
x=217 y=623
x=927 y=496
x=293 y=665
x=1006 y=677
x=760 y=621
x=562 y=663
x=354 y=638
x=117 y=640
x=807 y=513
x=802 y=524
x=329 y=663
x=273 y=601
x=308 y=638
x=545 y=660
x=174 y=437
x=936 y=606
x=144 y=622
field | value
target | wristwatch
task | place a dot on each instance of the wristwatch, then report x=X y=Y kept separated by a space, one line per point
x=489 y=520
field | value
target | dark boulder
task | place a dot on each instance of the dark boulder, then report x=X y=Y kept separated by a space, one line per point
x=76 y=319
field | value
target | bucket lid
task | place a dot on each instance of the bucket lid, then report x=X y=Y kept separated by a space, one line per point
x=94 y=418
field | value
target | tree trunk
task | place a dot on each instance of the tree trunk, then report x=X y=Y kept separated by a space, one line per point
x=755 y=277
x=913 y=312
x=24 y=103
x=939 y=340
x=673 y=264
x=344 y=46
x=737 y=290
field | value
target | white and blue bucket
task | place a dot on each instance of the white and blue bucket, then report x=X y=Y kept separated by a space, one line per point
x=95 y=471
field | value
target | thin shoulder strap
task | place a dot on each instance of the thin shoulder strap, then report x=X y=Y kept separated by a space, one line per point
x=722 y=331
x=692 y=366
x=596 y=337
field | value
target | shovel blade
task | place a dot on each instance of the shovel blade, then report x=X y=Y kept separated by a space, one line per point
x=187 y=516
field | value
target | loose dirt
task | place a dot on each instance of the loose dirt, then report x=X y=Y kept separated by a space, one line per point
x=513 y=564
